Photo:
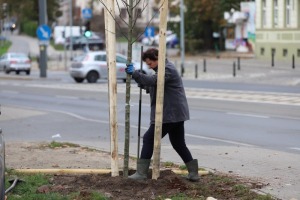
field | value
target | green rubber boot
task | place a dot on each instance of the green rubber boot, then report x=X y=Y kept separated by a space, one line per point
x=192 y=167
x=141 y=169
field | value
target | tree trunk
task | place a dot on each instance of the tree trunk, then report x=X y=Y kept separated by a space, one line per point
x=128 y=83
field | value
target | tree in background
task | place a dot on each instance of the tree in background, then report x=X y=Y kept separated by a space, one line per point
x=26 y=12
x=202 y=18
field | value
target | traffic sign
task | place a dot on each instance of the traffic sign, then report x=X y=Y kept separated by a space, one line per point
x=86 y=13
x=43 y=32
x=149 y=31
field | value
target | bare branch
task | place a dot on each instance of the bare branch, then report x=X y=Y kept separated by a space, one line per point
x=147 y=23
x=101 y=1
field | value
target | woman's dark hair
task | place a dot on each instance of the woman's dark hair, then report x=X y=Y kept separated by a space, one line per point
x=151 y=53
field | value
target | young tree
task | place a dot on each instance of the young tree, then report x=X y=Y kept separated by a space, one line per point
x=130 y=24
x=130 y=6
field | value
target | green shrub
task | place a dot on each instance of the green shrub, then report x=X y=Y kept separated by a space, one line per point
x=193 y=45
x=29 y=28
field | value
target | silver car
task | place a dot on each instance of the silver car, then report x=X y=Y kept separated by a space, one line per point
x=93 y=66
x=15 y=62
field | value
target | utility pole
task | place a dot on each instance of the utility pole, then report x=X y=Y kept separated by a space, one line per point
x=182 y=47
x=71 y=25
x=43 y=47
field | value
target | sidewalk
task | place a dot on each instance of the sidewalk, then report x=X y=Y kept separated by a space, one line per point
x=250 y=70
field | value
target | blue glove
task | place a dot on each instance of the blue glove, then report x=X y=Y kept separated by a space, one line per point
x=129 y=69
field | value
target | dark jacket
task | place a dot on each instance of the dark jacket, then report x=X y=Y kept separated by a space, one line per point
x=175 y=107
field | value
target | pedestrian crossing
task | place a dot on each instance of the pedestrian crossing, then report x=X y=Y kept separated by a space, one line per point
x=193 y=93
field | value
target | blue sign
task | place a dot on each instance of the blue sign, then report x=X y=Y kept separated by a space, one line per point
x=43 y=32
x=87 y=13
x=149 y=31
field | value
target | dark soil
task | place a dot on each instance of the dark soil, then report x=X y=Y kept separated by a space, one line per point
x=168 y=185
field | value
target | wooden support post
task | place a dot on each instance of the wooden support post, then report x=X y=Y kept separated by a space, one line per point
x=110 y=30
x=160 y=89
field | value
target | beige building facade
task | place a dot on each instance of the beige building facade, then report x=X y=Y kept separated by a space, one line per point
x=278 y=29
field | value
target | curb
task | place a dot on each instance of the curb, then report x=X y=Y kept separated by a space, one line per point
x=88 y=171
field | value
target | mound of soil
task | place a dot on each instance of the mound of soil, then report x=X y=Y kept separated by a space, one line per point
x=166 y=186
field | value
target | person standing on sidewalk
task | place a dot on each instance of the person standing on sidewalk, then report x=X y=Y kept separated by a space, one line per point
x=175 y=113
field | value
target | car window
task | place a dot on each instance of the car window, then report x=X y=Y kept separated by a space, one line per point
x=121 y=60
x=100 y=58
x=79 y=58
x=18 y=56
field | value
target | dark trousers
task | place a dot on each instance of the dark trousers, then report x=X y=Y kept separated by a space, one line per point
x=176 y=136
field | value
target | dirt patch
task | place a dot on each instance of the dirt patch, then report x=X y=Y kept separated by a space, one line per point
x=168 y=185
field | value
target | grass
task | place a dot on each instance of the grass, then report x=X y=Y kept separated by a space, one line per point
x=4 y=46
x=31 y=183
x=55 y=144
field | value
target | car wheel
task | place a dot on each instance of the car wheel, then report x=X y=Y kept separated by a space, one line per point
x=6 y=70
x=92 y=77
x=79 y=80
x=17 y=72
x=28 y=72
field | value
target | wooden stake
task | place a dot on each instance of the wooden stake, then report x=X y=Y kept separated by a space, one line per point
x=160 y=89
x=110 y=30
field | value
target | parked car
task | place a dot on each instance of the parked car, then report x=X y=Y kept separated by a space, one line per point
x=69 y=39
x=94 y=43
x=171 y=40
x=93 y=66
x=17 y=62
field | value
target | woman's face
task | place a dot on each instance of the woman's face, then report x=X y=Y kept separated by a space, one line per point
x=151 y=63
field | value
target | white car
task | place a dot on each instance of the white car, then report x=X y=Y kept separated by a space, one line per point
x=93 y=66
x=15 y=62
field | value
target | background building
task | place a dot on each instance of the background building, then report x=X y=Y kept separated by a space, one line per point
x=277 y=29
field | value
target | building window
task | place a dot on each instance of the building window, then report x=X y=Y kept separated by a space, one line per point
x=285 y=52
x=275 y=14
x=264 y=13
x=138 y=13
x=123 y=13
x=155 y=13
x=262 y=51
x=273 y=51
x=288 y=12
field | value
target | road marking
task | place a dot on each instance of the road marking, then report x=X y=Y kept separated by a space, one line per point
x=248 y=115
x=219 y=140
x=66 y=97
x=295 y=148
x=198 y=93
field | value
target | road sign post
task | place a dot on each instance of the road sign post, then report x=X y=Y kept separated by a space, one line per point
x=43 y=33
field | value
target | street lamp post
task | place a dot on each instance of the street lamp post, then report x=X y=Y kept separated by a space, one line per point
x=182 y=47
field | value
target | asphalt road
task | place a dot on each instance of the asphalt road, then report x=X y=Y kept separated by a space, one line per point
x=46 y=110
x=248 y=125
x=237 y=121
